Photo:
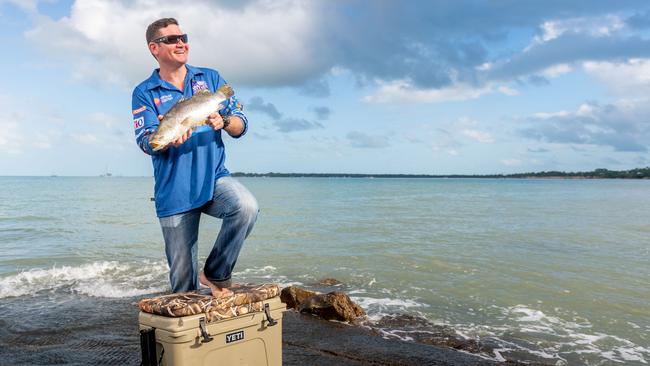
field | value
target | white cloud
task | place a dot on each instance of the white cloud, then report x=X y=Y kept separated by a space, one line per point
x=477 y=135
x=557 y=70
x=595 y=26
x=15 y=138
x=549 y=115
x=85 y=138
x=628 y=78
x=11 y=138
x=364 y=140
x=22 y=130
x=508 y=91
x=565 y=44
x=621 y=126
x=27 y=5
x=41 y=141
x=434 y=136
x=104 y=119
x=404 y=91
x=264 y=42
x=470 y=128
x=511 y=162
x=19 y=130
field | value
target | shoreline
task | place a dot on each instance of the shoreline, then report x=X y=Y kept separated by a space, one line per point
x=601 y=173
x=84 y=330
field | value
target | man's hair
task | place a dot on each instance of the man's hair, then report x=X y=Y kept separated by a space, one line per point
x=153 y=28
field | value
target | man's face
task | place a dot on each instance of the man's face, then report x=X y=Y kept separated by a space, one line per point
x=170 y=54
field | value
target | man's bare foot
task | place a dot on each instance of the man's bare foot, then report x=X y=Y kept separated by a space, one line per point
x=216 y=290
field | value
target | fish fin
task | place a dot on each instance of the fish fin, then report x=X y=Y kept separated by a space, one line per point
x=203 y=91
x=226 y=90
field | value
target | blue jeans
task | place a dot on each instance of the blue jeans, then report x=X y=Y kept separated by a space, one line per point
x=238 y=209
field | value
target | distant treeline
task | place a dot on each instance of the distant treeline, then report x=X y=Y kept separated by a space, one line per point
x=639 y=173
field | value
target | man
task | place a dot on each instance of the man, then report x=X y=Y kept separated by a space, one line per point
x=190 y=176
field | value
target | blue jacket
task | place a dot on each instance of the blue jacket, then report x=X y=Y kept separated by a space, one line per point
x=184 y=175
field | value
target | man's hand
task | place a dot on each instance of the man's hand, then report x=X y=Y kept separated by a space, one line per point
x=179 y=141
x=215 y=121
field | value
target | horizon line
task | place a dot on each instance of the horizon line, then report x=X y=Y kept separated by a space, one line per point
x=361 y=175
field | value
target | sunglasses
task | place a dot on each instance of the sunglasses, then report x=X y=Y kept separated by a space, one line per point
x=171 y=39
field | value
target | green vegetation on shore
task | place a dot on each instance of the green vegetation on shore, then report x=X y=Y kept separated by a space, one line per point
x=638 y=173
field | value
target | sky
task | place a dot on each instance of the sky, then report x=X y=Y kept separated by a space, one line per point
x=400 y=87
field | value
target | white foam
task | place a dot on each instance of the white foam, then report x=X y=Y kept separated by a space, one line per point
x=395 y=334
x=249 y=271
x=633 y=325
x=100 y=279
x=110 y=290
x=264 y=274
x=552 y=337
x=522 y=313
x=632 y=353
x=497 y=354
x=357 y=291
x=386 y=303
x=377 y=308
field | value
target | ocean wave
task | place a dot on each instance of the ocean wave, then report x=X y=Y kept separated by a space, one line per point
x=99 y=279
x=382 y=306
x=512 y=331
x=250 y=271
x=112 y=279
x=520 y=333
x=266 y=274
x=377 y=308
x=551 y=337
x=28 y=218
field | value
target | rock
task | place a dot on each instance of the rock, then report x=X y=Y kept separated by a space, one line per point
x=330 y=282
x=404 y=321
x=332 y=306
x=308 y=340
x=421 y=330
x=293 y=296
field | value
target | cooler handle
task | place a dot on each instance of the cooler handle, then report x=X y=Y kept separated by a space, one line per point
x=204 y=332
x=148 y=347
x=267 y=311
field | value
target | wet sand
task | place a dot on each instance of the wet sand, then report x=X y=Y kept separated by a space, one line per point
x=88 y=331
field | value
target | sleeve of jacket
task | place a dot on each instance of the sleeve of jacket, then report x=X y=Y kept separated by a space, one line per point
x=145 y=120
x=232 y=106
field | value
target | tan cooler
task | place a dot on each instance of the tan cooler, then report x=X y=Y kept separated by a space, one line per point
x=196 y=329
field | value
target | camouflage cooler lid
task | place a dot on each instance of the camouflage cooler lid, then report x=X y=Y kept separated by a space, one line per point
x=246 y=298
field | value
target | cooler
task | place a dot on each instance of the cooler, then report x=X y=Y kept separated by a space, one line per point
x=196 y=329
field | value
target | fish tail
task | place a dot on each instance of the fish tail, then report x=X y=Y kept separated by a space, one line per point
x=226 y=90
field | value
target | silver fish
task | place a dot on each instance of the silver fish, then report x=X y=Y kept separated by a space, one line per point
x=187 y=114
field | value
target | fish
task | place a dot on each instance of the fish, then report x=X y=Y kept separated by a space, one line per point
x=187 y=114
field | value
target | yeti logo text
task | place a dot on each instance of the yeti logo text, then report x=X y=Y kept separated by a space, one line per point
x=237 y=336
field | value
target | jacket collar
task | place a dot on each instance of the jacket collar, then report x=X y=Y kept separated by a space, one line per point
x=155 y=81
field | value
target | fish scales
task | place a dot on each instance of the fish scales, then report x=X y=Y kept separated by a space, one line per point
x=187 y=114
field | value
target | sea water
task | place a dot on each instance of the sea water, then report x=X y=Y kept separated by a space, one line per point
x=556 y=271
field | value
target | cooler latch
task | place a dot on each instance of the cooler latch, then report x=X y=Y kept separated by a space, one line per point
x=204 y=332
x=267 y=311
